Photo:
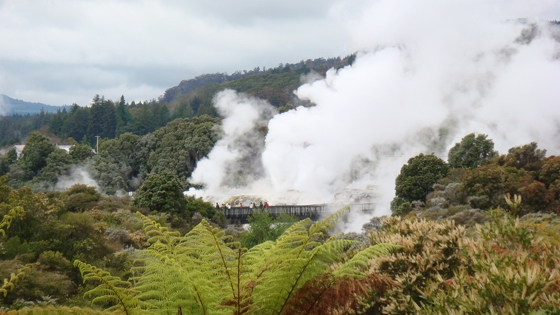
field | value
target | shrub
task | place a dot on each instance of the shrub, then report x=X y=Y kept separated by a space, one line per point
x=430 y=251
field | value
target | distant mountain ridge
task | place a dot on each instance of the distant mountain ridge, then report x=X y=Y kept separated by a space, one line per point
x=302 y=67
x=10 y=106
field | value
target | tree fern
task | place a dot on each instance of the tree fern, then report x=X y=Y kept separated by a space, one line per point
x=112 y=290
x=191 y=271
x=204 y=272
x=14 y=278
x=299 y=256
x=9 y=217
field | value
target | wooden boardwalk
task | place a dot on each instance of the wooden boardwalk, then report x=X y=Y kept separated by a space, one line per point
x=314 y=212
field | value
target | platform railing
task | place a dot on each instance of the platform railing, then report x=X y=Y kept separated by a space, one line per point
x=294 y=210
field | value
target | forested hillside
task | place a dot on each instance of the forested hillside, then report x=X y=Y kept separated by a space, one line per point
x=109 y=119
x=122 y=163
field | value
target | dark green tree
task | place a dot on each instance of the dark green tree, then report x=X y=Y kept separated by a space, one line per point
x=59 y=162
x=143 y=121
x=527 y=157
x=57 y=122
x=195 y=205
x=11 y=156
x=181 y=144
x=80 y=152
x=472 y=152
x=79 y=198
x=122 y=117
x=4 y=165
x=75 y=125
x=102 y=120
x=6 y=160
x=111 y=170
x=161 y=192
x=34 y=155
x=418 y=176
x=109 y=122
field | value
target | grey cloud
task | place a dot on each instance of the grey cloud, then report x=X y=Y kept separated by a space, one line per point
x=59 y=50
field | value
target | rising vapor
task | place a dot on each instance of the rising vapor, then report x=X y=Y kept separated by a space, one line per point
x=426 y=74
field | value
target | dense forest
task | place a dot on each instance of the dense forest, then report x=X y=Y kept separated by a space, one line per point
x=477 y=233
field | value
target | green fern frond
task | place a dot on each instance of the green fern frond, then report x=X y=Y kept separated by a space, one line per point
x=110 y=290
x=330 y=221
x=16 y=212
x=195 y=272
x=356 y=266
x=301 y=254
x=205 y=272
x=15 y=277
x=156 y=232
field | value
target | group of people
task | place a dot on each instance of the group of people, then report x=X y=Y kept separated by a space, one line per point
x=261 y=205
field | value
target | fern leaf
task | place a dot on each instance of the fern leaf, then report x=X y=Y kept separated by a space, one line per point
x=156 y=232
x=195 y=272
x=16 y=212
x=14 y=278
x=301 y=254
x=110 y=290
x=356 y=266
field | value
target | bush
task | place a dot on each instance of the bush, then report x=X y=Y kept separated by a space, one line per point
x=79 y=198
x=472 y=152
x=418 y=176
x=505 y=268
x=161 y=192
x=431 y=251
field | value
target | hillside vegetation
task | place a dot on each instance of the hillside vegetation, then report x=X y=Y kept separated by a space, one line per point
x=191 y=98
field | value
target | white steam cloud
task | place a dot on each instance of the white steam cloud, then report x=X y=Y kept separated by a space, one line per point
x=78 y=175
x=427 y=73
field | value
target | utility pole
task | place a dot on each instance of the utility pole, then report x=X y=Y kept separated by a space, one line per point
x=97 y=150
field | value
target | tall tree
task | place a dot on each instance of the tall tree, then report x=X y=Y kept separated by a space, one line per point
x=34 y=155
x=102 y=120
x=161 y=192
x=418 y=176
x=527 y=157
x=109 y=121
x=75 y=125
x=472 y=152
x=122 y=117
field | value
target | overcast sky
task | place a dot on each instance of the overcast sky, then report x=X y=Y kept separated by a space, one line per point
x=65 y=51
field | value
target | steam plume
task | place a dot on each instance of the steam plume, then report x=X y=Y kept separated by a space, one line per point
x=78 y=175
x=427 y=73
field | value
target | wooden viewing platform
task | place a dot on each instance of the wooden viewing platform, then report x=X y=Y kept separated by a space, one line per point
x=300 y=211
